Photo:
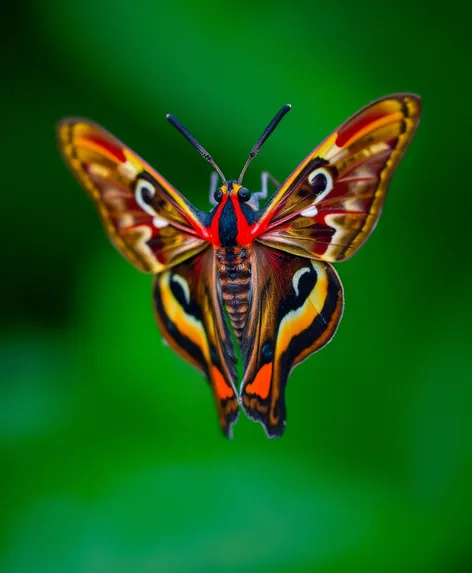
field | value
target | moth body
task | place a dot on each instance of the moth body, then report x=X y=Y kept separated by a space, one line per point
x=230 y=229
x=234 y=271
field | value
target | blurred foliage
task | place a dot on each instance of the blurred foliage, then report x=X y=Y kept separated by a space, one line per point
x=111 y=457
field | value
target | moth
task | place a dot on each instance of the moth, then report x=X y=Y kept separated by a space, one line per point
x=266 y=269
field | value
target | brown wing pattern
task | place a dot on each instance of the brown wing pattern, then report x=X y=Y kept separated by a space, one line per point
x=295 y=307
x=331 y=203
x=146 y=218
x=189 y=312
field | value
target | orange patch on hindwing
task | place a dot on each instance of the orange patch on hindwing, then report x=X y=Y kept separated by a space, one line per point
x=261 y=383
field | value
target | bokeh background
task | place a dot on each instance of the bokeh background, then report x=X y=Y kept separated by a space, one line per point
x=111 y=456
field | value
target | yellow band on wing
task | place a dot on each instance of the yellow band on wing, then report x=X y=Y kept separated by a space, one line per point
x=186 y=323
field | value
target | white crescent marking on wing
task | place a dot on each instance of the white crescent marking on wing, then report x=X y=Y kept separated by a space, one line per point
x=296 y=278
x=329 y=182
x=184 y=285
x=157 y=221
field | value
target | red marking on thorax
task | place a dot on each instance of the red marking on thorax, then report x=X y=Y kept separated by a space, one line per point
x=244 y=236
x=213 y=229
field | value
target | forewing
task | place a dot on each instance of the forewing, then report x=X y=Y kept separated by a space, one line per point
x=146 y=218
x=357 y=161
x=296 y=305
x=189 y=312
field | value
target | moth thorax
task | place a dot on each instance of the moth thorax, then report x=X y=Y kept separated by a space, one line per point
x=235 y=279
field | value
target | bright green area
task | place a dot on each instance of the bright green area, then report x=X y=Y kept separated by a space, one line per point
x=111 y=457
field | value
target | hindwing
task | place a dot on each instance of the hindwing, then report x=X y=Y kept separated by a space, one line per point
x=296 y=305
x=189 y=312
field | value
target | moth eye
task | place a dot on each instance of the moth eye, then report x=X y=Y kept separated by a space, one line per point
x=218 y=195
x=321 y=181
x=244 y=194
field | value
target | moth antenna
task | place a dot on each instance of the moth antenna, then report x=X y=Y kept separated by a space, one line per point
x=268 y=130
x=203 y=152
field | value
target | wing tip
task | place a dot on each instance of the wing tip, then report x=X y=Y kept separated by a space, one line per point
x=227 y=429
x=272 y=431
x=73 y=120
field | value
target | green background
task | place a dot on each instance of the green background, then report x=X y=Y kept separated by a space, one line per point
x=111 y=457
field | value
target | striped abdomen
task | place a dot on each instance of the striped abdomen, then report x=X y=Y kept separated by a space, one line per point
x=235 y=279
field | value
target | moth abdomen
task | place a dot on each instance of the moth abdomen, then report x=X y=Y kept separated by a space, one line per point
x=235 y=281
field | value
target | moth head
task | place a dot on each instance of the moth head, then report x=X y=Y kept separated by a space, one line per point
x=232 y=188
